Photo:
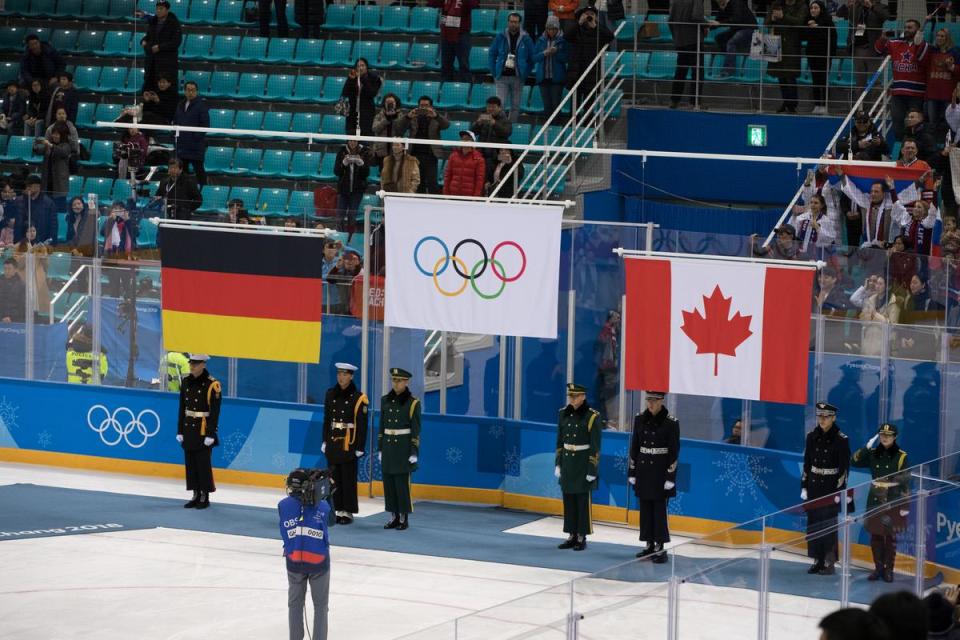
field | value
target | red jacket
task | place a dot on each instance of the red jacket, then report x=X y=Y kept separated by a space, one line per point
x=464 y=174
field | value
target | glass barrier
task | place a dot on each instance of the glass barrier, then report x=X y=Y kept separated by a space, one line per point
x=544 y=615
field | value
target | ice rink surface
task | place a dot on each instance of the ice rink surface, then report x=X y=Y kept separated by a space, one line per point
x=94 y=581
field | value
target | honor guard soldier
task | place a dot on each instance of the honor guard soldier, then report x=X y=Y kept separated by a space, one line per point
x=826 y=465
x=577 y=464
x=654 y=452
x=197 y=428
x=399 y=445
x=886 y=462
x=344 y=439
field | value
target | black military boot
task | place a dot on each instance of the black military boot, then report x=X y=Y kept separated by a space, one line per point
x=827 y=570
x=876 y=574
x=403 y=523
x=581 y=543
x=204 y=500
x=194 y=502
x=347 y=518
x=645 y=552
x=568 y=543
x=394 y=523
x=659 y=555
x=816 y=567
x=888 y=574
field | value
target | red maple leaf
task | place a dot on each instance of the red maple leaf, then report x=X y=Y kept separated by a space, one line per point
x=714 y=332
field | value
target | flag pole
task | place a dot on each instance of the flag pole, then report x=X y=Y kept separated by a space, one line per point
x=231 y=227
x=792 y=264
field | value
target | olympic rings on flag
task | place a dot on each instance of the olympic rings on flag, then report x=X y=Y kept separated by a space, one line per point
x=469 y=276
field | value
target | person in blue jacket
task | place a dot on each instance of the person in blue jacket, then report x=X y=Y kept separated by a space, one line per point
x=304 y=517
x=511 y=61
x=550 y=57
x=192 y=111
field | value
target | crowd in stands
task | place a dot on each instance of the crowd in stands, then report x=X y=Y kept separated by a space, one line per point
x=899 y=615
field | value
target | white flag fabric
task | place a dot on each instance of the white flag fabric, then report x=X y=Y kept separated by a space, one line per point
x=472 y=267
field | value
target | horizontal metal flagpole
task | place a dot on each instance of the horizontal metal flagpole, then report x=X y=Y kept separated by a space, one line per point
x=242 y=228
x=479 y=199
x=640 y=153
x=790 y=264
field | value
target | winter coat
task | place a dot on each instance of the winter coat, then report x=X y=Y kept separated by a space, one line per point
x=81 y=235
x=873 y=18
x=14 y=108
x=404 y=178
x=585 y=43
x=737 y=14
x=826 y=462
x=56 y=169
x=168 y=38
x=13 y=298
x=361 y=91
x=464 y=174
x=558 y=60
x=165 y=109
x=686 y=16
x=499 y=49
x=182 y=194
x=42 y=213
x=67 y=99
x=507 y=191
x=49 y=64
x=794 y=15
x=352 y=178
x=821 y=39
x=434 y=127
x=654 y=454
x=191 y=144
x=309 y=12
x=497 y=131
x=73 y=138
x=387 y=127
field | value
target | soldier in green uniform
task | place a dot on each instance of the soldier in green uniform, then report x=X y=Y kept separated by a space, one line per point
x=577 y=463
x=884 y=461
x=399 y=445
x=197 y=423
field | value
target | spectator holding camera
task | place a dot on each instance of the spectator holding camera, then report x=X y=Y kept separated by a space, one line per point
x=55 y=171
x=878 y=305
x=511 y=61
x=550 y=56
x=352 y=167
x=159 y=105
x=13 y=111
x=341 y=276
x=179 y=193
x=361 y=88
x=492 y=126
x=390 y=122
x=425 y=123
x=865 y=141
x=497 y=171
x=130 y=152
x=587 y=37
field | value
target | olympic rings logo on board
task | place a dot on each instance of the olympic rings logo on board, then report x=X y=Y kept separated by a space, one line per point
x=469 y=274
x=112 y=428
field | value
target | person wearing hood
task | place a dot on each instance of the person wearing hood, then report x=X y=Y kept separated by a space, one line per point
x=550 y=57
x=821 y=35
x=510 y=62
x=352 y=167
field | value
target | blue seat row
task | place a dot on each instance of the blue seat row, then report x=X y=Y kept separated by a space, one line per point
x=224 y=12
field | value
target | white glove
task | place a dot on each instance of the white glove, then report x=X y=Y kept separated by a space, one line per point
x=668 y=485
x=347 y=161
x=803 y=494
x=556 y=471
x=358 y=161
x=208 y=442
x=379 y=456
x=591 y=478
x=632 y=480
x=359 y=454
x=872 y=442
x=323 y=448
x=179 y=438
x=412 y=459
x=904 y=513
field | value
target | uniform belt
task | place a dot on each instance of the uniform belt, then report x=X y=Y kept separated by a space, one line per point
x=659 y=451
x=342 y=425
x=824 y=472
x=196 y=414
x=397 y=432
x=576 y=447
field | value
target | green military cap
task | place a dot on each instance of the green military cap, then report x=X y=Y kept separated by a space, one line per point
x=402 y=374
x=887 y=429
x=573 y=387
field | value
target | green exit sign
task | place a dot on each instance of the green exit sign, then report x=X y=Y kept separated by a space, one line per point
x=756 y=135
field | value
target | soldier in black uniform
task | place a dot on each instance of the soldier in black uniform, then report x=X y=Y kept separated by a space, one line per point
x=399 y=445
x=197 y=422
x=344 y=439
x=577 y=463
x=654 y=452
x=826 y=465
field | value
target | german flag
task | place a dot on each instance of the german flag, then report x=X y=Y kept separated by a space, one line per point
x=242 y=294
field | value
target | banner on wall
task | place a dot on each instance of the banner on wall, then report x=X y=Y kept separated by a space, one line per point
x=473 y=267
x=713 y=328
x=242 y=294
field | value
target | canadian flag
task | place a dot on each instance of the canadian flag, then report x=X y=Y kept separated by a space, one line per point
x=727 y=329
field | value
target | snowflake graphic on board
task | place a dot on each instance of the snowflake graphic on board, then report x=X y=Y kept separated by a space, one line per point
x=279 y=461
x=234 y=450
x=44 y=439
x=454 y=455
x=621 y=460
x=511 y=462
x=675 y=505
x=495 y=431
x=742 y=473
x=8 y=413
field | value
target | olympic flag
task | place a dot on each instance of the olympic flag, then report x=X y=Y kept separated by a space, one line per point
x=472 y=267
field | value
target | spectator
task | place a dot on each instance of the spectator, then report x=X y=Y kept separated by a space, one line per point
x=192 y=111
x=130 y=153
x=903 y=613
x=511 y=61
x=829 y=299
x=55 y=171
x=917 y=225
x=466 y=170
x=390 y=122
x=866 y=140
x=909 y=73
x=609 y=12
x=785 y=247
x=38 y=211
x=878 y=305
x=550 y=57
x=871 y=15
x=41 y=61
x=60 y=118
x=786 y=16
x=492 y=126
x=942 y=75
x=29 y=244
x=821 y=36
x=13 y=295
x=686 y=18
x=817 y=182
x=64 y=96
x=161 y=45
x=118 y=233
x=909 y=157
x=736 y=432
x=586 y=38
x=916 y=128
x=401 y=171
x=6 y=231
x=38 y=99
x=534 y=18
x=159 y=105
x=942 y=615
x=741 y=23
x=455 y=39
x=81 y=229
x=497 y=171
x=341 y=276
x=853 y=624
x=950 y=238
x=815 y=229
x=14 y=110
x=310 y=15
x=607 y=356
x=920 y=307
x=424 y=123
x=361 y=88
x=236 y=209
x=901 y=263
x=283 y=29
x=11 y=210
x=180 y=195
x=331 y=253
x=565 y=10
x=872 y=211
x=352 y=167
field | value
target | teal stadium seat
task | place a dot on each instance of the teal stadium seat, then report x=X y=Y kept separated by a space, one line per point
x=280 y=87
x=277 y=121
x=301 y=203
x=248 y=120
x=401 y=88
x=246 y=162
x=229 y=12
x=424 y=55
x=333 y=89
x=841 y=72
x=484 y=22
x=42 y=9
x=531 y=100
x=393 y=55
x=117 y=43
x=108 y=112
x=367 y=49
x=249 y=195
x=424 y=88
x=396 y=19
x=281 y=50
x=9 y=71
x=332 y=124
x=479 y=95
x=337 y=53
x=843 y=30
x=75 y=185
x=664 y=27
x=201 y=12
x=662 y=65
x=326 y=166
x=123 y=9
x=218 y=160
x=305 y=123
x=99 y=9
x=112 y=80
x=196 y=46
x=89 y=42
x=479 y=60
x=308 y=52
x=223 y=84
x=101 y=154
x=135 y=78
x=253 y=49
x=63 y=40
x=15 y=7
x=86 y=78
x=276 y=163
x=273 y=202
x=221 y=119
x=225 y=49
x=339 y=17
x=20 y=149
x=85 y=117
x=521 y=133
x=366 y=18
x=304 y=164
x=453 y=131
x=101 y=187
x=424 y=20
x=307 y=89
x=454 y=95
x=214 y=198
x=202 y=78
x=252 y=86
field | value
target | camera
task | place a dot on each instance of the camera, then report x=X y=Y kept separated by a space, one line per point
x=310 y=486
x=127 y=151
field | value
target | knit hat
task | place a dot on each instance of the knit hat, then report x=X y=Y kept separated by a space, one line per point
x=552 y=22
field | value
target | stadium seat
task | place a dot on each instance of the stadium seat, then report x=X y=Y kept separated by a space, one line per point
x=748 y=70
x=307 y=89
x=401 y=88
x=661 y=21
x=326 y=166
x=99 y=9
x=249 y=195
x=42 y=9
x=214 y=198
x=305 y=123
x=281 y=50
x=117 y=43
x=251 y=86
x=135 y=78
x=521 y=133
x=374 y=176
x=196 y=46
x=63 y=40
x=626 y=62
x=424 y=55
x=454 y=95
x=89 y=42
x=332 y=124
x=337 y=53
x=273 y=202
x=253 y=49
x=366 y=18
x=218 y=160
x=280 y=87
x=101 y=154
x=662 y=65
x=396 y=19
x=841 y=72
x=277 y=121
x=123 y=9
x=15 y=7
x=479 y=95
x=112 y=80
x=276 y=163
x=308 y=52
x=367 y=49
x=223 y=84
x=424 y=88
x=843 y=29
x=483 y=22
x=333 y=89
x=246 y=162
x=339 y=17
x=393 y=55
x=108 y=112
x=85 y=111
x=101 y=187
x=531 y=100
x=86 y=78
x=479 y=61
x=225 y=49
x=301 y=203
x=202 y=78
x=424 y=20
x=201 y=12
x=20 y=149
x=9 y=71
x=221 y=119
x=304 y=164
x=249 y=121
x=453 y=131
x=229 y=12
x=121 y=191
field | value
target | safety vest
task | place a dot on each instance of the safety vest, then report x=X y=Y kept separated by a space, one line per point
x=175 y=365
x=80 y=366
